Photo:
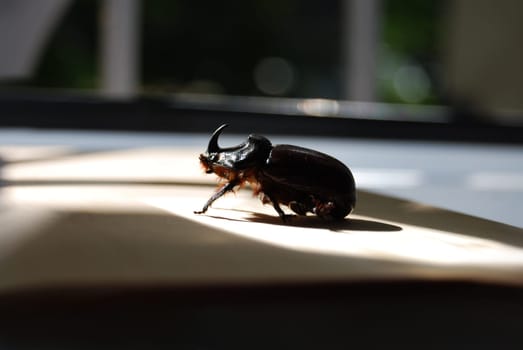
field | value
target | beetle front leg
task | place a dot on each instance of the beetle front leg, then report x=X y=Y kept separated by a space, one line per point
x=229 y=186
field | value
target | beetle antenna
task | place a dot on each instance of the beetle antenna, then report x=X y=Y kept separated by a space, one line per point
x=213 y=142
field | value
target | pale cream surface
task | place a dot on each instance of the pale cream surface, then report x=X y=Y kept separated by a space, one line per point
x=145 y=232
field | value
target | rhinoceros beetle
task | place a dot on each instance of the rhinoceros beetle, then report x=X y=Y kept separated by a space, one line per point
x=302 y=179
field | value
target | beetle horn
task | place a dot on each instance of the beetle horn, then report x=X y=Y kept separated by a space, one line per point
x=213 y=142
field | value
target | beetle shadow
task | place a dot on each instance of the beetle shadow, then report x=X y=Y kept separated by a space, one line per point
x=316 y=222
x=311 y=221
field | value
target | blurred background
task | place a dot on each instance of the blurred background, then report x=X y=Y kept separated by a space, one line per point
x=466 y=54
x=424 y=99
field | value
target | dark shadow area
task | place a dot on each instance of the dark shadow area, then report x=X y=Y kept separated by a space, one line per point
x=312 y=221
x=412 y=213
x=316 y=222
x=406 y=315
x=369 y=225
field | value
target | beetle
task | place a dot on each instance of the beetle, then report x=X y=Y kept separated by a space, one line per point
x=305 y=180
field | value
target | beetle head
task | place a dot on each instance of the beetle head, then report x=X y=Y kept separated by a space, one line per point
x=211 y=156
x=249 y=154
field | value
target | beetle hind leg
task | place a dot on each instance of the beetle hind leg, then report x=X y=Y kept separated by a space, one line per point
x=325 y=210
x=298 y=208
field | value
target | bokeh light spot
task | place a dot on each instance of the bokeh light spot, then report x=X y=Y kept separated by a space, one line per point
x=274 y=76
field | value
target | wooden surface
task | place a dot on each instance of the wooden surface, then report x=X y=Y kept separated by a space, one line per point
x=126 y=218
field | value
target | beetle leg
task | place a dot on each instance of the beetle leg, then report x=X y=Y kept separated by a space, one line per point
x=277 y=207
x=229 y=186
x=298 y=208
x=324 y=210
x=282 y=215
